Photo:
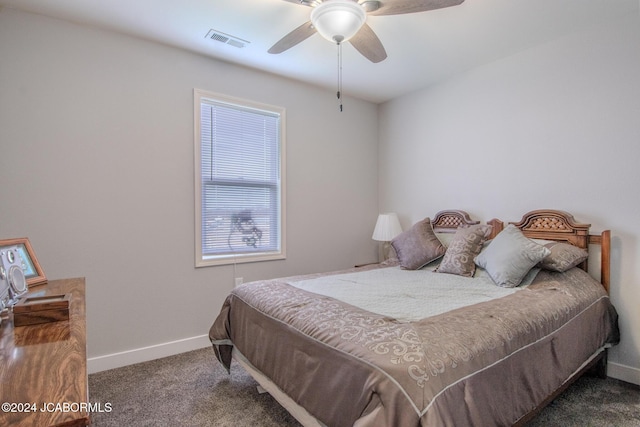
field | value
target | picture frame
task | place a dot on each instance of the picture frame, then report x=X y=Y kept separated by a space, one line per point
x=33 y=272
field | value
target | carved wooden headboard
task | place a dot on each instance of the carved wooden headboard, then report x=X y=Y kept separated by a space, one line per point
x=548 y=224
x=448 y=221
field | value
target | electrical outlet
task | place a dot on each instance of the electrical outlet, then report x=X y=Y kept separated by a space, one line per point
x=238 y=281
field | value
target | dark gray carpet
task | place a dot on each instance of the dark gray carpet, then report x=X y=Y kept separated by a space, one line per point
x=192 y=389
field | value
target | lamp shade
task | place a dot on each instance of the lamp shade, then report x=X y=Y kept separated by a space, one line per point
x=338 y=20
x=387 y=227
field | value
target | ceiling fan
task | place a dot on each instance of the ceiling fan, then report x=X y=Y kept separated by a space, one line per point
x=345 y=20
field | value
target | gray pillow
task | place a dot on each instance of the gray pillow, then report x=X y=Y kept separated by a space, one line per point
x=510 y=256
x=418 y=246
x=466 y=244
x=563 y=256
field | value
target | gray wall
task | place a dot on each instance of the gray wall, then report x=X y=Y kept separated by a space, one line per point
x=556 y=126
x=96 y=160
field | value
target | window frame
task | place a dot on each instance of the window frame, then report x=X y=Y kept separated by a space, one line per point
x=201 y=259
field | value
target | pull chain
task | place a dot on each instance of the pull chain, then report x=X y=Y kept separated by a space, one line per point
x=339 y=75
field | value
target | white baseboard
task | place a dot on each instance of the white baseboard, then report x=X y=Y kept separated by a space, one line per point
x=623 y=372
x=144 y=354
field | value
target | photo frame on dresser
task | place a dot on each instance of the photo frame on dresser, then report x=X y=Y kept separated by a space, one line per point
x=33 y=272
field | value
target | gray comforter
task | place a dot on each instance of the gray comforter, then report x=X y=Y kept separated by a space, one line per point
x=481 y=365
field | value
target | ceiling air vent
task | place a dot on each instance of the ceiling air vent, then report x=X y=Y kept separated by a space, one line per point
x=226 y=38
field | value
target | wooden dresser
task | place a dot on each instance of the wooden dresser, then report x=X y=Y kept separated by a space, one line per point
x=43 y=368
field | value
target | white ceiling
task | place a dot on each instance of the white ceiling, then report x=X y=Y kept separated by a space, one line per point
x=422 y=48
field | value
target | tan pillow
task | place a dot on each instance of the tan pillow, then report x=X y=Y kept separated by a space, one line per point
x=563 y=256
x=418 y=246
x=463 y=248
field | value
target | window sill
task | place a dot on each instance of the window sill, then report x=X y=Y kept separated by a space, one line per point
x=207 y=261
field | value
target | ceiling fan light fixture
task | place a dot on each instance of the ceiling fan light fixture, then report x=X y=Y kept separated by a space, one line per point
x=338 y=20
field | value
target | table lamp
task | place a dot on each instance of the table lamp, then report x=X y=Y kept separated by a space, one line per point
x=387 y=227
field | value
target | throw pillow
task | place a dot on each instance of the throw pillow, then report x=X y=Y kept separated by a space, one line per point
x=418 y=246
x=510 y=256
x=563 y=256
x=463 y=248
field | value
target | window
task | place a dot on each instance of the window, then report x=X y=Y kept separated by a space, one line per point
x=239 y=152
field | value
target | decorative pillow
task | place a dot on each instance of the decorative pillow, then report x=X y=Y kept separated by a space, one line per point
x=510 y=256
x=463 y=248
x=418 y=246
x=445 y=238
x=563 y=256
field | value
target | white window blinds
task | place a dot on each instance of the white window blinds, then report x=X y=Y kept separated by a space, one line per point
x=240 y=177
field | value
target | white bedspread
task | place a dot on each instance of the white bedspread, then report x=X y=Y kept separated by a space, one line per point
x=409 y=295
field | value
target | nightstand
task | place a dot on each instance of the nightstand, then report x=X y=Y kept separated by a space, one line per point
x=43 y=367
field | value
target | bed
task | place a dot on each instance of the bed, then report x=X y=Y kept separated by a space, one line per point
x=462 y=339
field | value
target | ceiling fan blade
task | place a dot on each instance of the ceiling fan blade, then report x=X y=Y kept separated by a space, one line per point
x=301 y=33
x=301 y=2
x=368 y=44
x=399 y=7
